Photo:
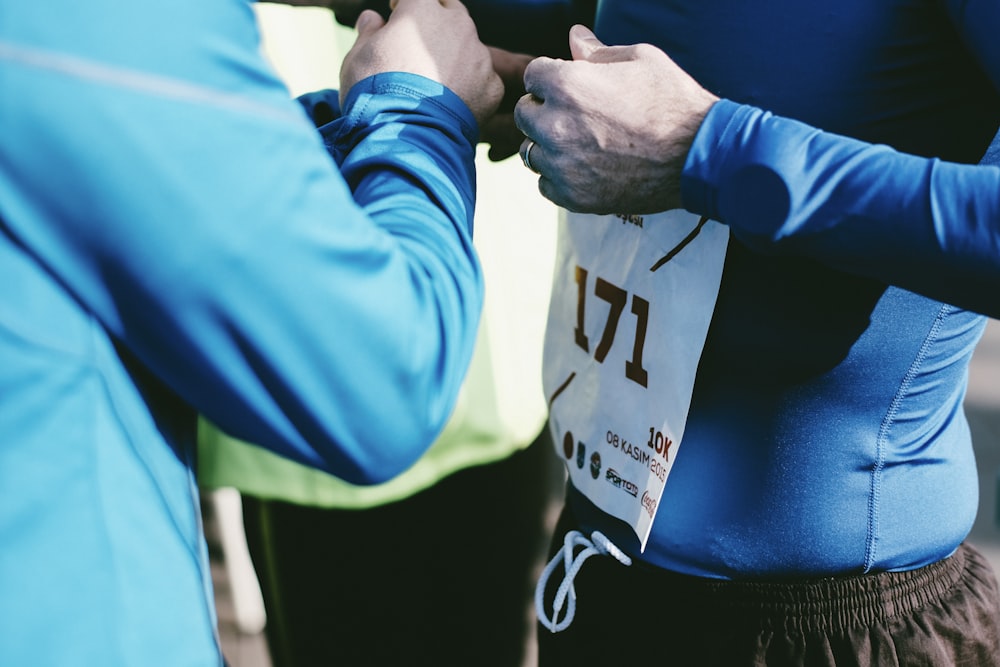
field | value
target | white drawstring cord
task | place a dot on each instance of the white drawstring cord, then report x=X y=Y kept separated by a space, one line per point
x=598 y=544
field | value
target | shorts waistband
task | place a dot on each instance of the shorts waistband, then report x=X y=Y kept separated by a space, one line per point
x=820 y=604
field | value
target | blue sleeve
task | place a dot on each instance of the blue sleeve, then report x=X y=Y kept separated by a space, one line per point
x=926 y=225
x=159 y=170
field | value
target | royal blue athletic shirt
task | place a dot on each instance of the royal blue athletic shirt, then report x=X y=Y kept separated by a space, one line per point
x=826 y=434
x=175 y=236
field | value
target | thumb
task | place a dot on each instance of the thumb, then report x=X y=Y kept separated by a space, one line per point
x=368 y=22
x=583 y=43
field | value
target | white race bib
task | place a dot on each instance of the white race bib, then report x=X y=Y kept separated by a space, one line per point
x=632 y=300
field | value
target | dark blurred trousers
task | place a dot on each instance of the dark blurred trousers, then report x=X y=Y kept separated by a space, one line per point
x=442 y=578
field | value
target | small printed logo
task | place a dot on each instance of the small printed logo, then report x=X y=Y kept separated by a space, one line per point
x=595 y=465
x=628 y=487
x=630 y=218
x=648 y=503
x=568 y=444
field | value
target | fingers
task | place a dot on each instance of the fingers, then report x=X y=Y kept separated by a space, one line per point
x=526 y=115
x=538 y=73
x=583 y=43
x=510 y=67
x=585 y=46
x=368 y=22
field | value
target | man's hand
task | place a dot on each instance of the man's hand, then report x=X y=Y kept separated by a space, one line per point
x=433 y=38
x=612 y=127
x=500 y=131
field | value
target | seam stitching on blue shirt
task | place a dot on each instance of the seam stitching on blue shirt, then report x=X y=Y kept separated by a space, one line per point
x=469 y=131
x=402 y=88
x=883 y=436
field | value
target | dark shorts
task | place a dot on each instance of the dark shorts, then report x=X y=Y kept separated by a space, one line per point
x=945 y=614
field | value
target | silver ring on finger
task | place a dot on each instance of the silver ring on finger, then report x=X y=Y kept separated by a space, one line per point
x=526 y=157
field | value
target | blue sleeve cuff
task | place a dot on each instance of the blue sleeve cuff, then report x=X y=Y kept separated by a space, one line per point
x=410 y=91
x=706 y=165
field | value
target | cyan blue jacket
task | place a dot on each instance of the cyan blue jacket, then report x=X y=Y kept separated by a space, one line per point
x=175 y=235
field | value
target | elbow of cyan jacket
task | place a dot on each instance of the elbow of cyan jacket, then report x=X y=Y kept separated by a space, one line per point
x=392 y=442
x=378 y=464
x=401 y=413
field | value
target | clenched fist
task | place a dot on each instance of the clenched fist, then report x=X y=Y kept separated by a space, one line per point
x=611 y=127
x=433 y=38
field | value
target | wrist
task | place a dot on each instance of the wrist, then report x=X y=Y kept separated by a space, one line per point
x=704 y=162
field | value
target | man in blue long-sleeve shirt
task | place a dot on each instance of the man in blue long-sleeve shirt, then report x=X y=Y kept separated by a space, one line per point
x=759 y=398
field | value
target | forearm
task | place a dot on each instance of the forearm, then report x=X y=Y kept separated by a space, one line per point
x=405 y=146
x=784 y=187
x=352 y=356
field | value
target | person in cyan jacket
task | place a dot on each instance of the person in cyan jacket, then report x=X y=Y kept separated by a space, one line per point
x=176 y=238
